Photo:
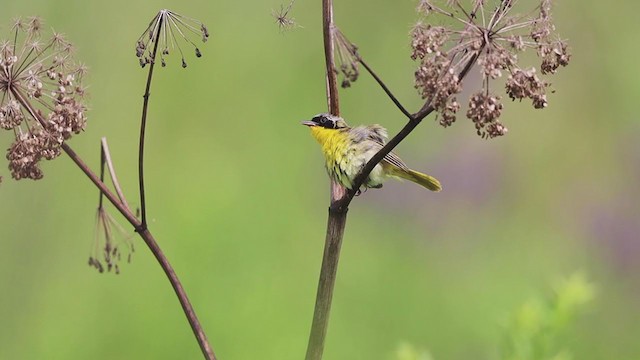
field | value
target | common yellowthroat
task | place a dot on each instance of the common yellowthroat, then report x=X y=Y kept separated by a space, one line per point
x=347 y=150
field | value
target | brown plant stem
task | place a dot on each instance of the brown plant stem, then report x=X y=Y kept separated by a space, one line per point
x=148 y=238
x=143 y=232
x=333 y=101
x=384 y=87
x=337 y=216
x=335 y=231
x=143 y=126
x=106 y=158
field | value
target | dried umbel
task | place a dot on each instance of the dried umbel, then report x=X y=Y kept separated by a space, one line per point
x=111 y=244
x=283 y=17
x=346 y=57
x=164 y=34
x=490 y=34
x=42 y=96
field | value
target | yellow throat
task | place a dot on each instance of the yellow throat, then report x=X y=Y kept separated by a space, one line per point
x=334 y=142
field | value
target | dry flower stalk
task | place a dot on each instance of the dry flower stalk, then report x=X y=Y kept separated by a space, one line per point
x=108 y=246
x=41 y=96
x=165 y=30
x=41 y=103
x=346 y=58
x=491 y=32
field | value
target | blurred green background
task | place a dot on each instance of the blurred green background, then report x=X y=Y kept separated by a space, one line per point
x=238 y=197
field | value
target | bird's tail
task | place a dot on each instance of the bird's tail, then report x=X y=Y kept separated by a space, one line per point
x=419 y=178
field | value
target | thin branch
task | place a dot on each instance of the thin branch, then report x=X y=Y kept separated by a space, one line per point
x=414 y=120
x=384 y=87
x=143 y=124
x=126 y=212
x=144 y=233
x=148 y=238
x=102 y=162
x=337 y=216
x=106 y=158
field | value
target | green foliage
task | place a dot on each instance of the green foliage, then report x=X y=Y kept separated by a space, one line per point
x=535 y=330
x=406 y=351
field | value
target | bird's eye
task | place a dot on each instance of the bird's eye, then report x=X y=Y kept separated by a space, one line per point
x=322 y=120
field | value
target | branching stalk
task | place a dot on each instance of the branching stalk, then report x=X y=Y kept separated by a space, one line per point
x=340 y=199
x=142 y=231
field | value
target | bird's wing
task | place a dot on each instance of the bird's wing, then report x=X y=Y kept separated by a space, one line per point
x=378 y=134
x=394 y=159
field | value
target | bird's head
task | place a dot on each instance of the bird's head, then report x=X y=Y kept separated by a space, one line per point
x=327 y=121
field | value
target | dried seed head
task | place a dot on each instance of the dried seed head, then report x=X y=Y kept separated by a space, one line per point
x=283 y=19
x=165 y=31
x=554 y=56
x=439 y=83
x=24 y=156
x=347 y=58
x=486 y=32
x=526 y=84
x=495 y=60
x=484 y=110
x=424 y=7
x=108 y=246
x=49 y=144
x=448 y=113
x=427 y=39
x=34 y=25
x=42 y=92
x=10 y=115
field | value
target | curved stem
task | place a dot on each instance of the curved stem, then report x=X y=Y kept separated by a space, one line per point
x=198 y=331
x=144 y=233
x=207 y=351
x=143 y=125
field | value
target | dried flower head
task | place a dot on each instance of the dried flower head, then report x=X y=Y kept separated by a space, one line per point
x=283 y=19
x=163 y=34
x=486 y=33
x=42 y=96
x=346 y=57
x=108 y=248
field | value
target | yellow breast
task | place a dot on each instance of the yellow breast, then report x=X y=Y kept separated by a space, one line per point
x=334 y=143
x=344 y=158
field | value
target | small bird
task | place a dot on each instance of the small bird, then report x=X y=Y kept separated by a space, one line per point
x=347 y=150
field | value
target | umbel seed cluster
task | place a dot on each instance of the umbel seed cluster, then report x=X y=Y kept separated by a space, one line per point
x=453 y=37
x=41 y=101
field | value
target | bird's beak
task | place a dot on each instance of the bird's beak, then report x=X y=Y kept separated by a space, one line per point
x=309 y=123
